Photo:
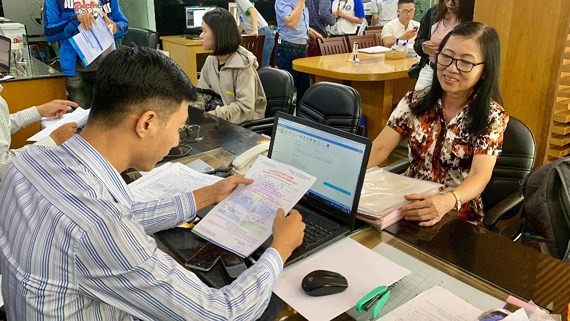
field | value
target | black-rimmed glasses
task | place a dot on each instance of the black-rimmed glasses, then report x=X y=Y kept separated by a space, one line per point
x=461 y=64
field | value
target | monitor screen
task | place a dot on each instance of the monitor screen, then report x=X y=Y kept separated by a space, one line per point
x=194 y=16
x=5 y=44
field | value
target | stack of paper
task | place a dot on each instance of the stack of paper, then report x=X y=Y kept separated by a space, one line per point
x=79 y=116
x=374 y=50
x=383 y=194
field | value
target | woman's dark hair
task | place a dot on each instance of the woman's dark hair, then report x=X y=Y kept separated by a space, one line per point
x=227 y=37
x=485 y=90
x=464 y=10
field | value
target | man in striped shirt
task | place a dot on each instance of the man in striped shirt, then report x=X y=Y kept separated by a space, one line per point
x=74 y=244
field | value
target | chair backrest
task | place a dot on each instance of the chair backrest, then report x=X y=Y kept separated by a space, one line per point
x=364 y=41
x=141 y=37
x=377 y=32
x=255 y=45
x=278 y=85
x=332 y=104
x=369 y=28
x=513 y=164
x=333 y=46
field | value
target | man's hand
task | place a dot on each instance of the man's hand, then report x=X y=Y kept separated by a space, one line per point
x=55 y=108
x=336 y=13
x=215 y=193
x=86 y=19
x=112 y=26
x=255 y=32
x=427 y=209
x=409 y=34
x=288 y=232
x=315 y=34
x=63 y=133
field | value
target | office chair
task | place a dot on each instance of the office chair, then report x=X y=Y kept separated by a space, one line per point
x=254 y=45
x=332 y=104
x=278 y=85
x=141 y=37
x=332 y=46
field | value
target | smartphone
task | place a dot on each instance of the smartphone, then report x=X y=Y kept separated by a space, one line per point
x=233 y=264
x=205 y=258
x=415 y=28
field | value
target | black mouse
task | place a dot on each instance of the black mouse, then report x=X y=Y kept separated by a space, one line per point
x=322 y=282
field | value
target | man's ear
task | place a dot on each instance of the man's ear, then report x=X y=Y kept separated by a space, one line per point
x=146 y=123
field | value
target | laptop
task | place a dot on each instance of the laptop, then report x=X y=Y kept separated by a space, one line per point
x=5 y=46
x=338 y=159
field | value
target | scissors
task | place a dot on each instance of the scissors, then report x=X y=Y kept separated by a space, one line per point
x=374 y=301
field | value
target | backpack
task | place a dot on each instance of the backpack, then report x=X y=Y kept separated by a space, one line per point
x=547 y=206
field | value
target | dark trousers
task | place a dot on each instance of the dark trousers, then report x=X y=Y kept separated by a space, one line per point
x=286 y=53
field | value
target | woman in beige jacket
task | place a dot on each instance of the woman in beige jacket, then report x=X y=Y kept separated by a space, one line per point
x=231 y=70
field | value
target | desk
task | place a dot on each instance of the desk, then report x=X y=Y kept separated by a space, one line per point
x=380 y=83
x=34 y=84
x=471 y=254
x=187 y=53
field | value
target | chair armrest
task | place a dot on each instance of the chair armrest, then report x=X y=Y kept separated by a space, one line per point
x=260 y=126
x=497 y=212
x=398 y=167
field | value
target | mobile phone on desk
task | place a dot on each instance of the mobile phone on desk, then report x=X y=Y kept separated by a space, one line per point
x=233 y=264
x=205 y=258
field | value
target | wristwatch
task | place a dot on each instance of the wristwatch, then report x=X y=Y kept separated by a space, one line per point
x=457 y=201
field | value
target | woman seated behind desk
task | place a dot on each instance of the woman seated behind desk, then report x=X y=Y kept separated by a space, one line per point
x=454 y=128
x=231 y=71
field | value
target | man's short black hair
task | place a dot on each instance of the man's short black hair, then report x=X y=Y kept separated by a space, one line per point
x=226 y=33
x=134 y=80
x=400 y=2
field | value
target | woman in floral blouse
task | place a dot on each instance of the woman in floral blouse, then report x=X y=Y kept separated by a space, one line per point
x=454 y=128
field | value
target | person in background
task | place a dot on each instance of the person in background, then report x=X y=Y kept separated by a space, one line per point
x=383 y=11
x=435 y=24
x=294 y=32
x=349 y=15
x=231 y=70
x=11 y=123
x=320 y=17
x=76 y=246
x=454 y=128
x=61 y=21
x=254 y=24
x=402 y=29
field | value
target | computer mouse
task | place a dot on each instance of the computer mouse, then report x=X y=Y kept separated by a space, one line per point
x=323 y=282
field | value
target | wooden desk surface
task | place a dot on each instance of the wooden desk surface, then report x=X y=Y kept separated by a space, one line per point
x=371 y=67
x=182 y=40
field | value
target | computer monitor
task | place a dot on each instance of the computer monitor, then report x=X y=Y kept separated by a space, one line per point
x=194 y=17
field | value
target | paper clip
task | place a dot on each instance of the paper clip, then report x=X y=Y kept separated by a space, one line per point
x=374 y=301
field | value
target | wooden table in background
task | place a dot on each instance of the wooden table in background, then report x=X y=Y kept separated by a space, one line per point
x=187 y=53
x=380 y=82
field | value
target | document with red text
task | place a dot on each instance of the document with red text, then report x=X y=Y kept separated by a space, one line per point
x=243 y=220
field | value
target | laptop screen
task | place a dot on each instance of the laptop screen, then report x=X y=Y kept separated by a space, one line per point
x=5 y=44
x=338 y=159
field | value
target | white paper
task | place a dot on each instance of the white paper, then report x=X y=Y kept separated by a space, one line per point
x=90 y=44
x=373 y=50
x=364 y=269
x=168 y=180
x=79 y=116
x=243 y=220
x=435 y=304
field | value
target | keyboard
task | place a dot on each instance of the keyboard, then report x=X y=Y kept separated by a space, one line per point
x=313 y=233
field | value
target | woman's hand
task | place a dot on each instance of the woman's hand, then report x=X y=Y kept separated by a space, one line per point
x=429 y=48
x=427 y=209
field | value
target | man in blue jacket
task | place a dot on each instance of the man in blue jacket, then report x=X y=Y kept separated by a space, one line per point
x=62 y=19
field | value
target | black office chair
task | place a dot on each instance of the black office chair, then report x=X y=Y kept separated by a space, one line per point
x=502 y=198
x=141 y=37
x=278 y=85
x=332 y=104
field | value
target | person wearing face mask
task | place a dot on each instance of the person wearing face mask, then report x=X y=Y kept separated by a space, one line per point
x=435 y=24
x=454 y=128
x=11 y=123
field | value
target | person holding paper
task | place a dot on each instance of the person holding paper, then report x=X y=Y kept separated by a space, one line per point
x=454 y=128
x=61 y=21
x=11 y=123
x=76 y=246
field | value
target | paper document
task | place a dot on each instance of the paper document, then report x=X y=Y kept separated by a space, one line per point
x=243 y=220
x=374 y=50
x=79 y=116
x=90 y=44
x=363 y=268
x=168 y=180
x=435 y=304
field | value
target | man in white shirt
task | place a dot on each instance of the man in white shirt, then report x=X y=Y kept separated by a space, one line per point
x=403 y=29
x=383 y=11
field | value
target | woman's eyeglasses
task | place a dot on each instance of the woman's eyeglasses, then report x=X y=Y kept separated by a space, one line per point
x=461 y=64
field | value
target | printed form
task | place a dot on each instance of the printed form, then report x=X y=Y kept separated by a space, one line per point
x=90 y=44
x=243 y=220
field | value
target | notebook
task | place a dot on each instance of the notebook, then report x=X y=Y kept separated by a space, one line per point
x=5 y=46
x=338 y=159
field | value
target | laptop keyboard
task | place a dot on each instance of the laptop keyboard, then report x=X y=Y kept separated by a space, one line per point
x=313 y=233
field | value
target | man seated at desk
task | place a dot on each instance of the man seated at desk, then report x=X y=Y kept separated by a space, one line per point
x=75 y=245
